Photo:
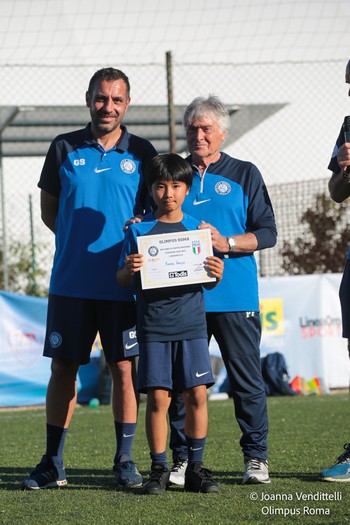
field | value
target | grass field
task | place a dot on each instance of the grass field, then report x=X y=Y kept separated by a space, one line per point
x=306 y=435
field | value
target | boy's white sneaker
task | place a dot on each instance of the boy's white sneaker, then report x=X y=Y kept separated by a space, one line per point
x=256 y=471
x=177 y=472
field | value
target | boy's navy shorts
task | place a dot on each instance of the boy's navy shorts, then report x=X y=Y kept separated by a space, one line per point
x=344 y=294
x=73 y=323
x=174 y=365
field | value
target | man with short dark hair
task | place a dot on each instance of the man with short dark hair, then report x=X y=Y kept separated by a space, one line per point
x=91 y=182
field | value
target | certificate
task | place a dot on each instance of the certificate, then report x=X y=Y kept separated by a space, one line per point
x=174 y=259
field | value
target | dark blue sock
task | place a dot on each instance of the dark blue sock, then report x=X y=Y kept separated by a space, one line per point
x=125 y=436
x=55 y=438
x=159 y=458
x=195 y=449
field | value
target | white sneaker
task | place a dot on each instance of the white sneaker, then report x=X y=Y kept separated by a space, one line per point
x=177 y=472
x=256 y=471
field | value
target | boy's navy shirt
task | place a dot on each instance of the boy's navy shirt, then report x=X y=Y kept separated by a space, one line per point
x=165 y=314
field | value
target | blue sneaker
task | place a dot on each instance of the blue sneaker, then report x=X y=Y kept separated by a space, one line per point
x=46 y=475
x=341 y=470
x=127 y=475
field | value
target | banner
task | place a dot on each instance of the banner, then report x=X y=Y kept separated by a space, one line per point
x=24 y=373
x=300 y=318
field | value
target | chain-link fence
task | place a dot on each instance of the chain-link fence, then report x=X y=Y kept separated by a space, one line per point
x=283 y=119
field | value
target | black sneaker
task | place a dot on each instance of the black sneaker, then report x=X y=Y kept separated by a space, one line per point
x=46 y=475
x=198 y=479
x=158 y=480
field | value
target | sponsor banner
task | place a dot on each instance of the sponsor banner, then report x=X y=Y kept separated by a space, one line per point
x=301 y=318
x=24 y=372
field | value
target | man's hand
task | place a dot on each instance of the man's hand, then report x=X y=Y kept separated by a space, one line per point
x=219 y=241
x=343 y=156
x=137 y=218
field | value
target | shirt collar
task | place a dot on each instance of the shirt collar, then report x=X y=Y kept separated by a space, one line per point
x=122 y=145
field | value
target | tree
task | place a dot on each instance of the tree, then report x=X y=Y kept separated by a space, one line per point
x=23 y=278
x=323 y=247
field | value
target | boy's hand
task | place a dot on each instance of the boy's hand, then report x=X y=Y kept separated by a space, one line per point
x=215 y=267
x=133 y=263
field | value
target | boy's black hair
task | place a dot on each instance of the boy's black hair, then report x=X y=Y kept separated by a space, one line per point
x=168 y=166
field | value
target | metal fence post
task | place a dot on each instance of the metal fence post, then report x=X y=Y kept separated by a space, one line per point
x=171 y=112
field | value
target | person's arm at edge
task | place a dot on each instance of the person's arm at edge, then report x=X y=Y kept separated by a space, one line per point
x=338 y=185
x=339 y=188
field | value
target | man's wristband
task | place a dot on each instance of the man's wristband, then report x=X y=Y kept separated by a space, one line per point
x=346 y=176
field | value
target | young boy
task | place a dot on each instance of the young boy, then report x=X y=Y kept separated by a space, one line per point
x=171 y=331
